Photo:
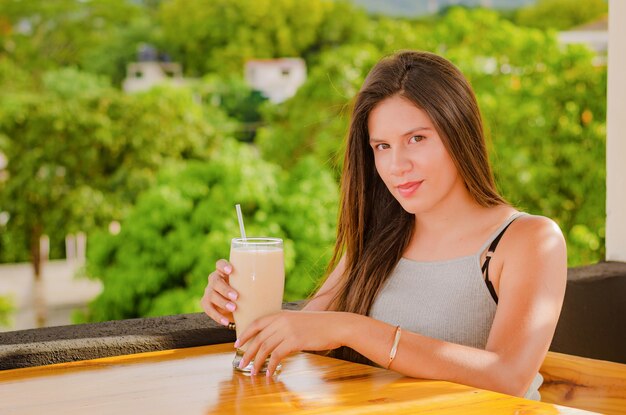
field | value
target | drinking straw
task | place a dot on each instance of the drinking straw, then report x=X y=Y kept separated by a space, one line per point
x=240 y=219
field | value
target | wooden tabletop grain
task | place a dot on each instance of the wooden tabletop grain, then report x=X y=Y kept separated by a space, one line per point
x=200 y=380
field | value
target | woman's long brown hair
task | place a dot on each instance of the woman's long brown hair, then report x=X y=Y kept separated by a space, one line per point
x=374 y=230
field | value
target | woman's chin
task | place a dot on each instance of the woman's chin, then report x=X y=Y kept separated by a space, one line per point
x=411 y=208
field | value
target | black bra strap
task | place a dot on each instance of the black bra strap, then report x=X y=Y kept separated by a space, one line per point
x=485 y=267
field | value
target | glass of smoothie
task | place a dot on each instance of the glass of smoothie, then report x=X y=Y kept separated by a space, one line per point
x=259 y=277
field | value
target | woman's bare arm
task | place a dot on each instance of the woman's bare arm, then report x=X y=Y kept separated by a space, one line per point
x=531 y=290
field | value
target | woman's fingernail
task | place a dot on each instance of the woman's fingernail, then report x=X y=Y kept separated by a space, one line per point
x=228 y=269
x=237 y=343
x=268 y=374
x=224 y=322
x=232 y=296
x=241 y=364
x=230 y=306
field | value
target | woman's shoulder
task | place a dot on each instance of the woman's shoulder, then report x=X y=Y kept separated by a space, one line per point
x=529 y=225
x=532 y=248
x=534 y=233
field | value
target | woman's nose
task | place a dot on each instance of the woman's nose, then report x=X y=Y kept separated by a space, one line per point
x=400 y=163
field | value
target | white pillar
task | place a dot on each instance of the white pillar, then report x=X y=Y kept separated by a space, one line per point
x=616 y=135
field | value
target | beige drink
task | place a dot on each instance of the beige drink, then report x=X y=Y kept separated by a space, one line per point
x=259 y=278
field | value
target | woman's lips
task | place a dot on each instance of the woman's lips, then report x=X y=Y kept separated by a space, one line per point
x=408 y=188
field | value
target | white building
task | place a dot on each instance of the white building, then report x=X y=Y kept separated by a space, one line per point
x=594 y=34
x=141 y=76
x=277 y=79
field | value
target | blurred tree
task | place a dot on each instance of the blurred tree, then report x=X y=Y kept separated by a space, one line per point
x=316 y=120
x=169 y=243
x=560 y=14
x=544 y=107
x=110 y=55
x=220 y=35
x=46 y=141
x=78 y=152
x=542 y=103
x=13 y=247
x=6 y=308
x=336 y=30
x=233 y=95
x=153 y=127
x=41 y=34
x=13 y=78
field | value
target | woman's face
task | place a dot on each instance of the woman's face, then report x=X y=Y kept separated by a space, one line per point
x=410 y=156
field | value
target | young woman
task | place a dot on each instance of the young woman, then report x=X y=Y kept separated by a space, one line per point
x=435 y=275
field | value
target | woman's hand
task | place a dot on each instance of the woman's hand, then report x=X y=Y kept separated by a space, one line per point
x=219 y=297
x=289 y=331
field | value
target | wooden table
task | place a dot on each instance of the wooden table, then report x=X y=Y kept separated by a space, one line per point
x=200 y=380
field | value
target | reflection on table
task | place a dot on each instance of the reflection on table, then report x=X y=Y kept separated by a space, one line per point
x=201 y=380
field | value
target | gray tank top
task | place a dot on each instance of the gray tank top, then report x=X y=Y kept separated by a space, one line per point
x=446 y=300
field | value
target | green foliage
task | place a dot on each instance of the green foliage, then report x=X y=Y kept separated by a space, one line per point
x=46 y=140
x=542 y=105
x=307 y=214
x=220 y=35
x=164 y=163
x=234 y=96
x=170 y=241
x=6 y=308
x=13 y=78
x=315 y=120
x=110 y=55
x=560 y=14
x=98 y=36
x=68 y=83
x=79 y=152
x=545 y=110
x=43 y=34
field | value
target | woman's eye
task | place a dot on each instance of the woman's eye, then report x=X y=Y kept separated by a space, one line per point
x=381 y=146
x=417 y=138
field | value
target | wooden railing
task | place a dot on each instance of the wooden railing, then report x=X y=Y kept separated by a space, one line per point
x=579 y=382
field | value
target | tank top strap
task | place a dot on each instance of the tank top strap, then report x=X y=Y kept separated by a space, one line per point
x=495 y=234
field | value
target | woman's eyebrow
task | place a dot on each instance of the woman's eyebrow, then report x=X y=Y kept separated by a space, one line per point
x=414 y=130
x=411 y=131
x=375 y=140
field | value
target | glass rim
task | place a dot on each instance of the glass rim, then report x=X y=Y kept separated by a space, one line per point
x=257 y=240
